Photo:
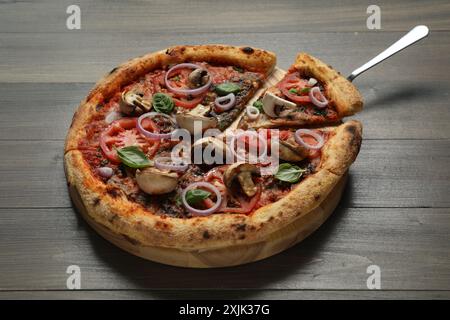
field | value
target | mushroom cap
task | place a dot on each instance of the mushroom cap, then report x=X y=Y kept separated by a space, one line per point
x=270 y=101
x=132 y=103
x=235 y=169
x=213 y=144
x=155 y=181
x=186 y=120
x=289 y=150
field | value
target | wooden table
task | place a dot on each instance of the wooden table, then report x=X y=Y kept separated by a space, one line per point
x=395 y=212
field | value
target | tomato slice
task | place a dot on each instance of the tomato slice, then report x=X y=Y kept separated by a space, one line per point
x=293 y=81
x=123 y=133
x=188 y=104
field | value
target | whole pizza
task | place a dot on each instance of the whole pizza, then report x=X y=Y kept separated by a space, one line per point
x=209 y=155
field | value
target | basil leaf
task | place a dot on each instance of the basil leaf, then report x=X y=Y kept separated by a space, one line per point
x=226 y=88
x=305 y=90
x=162 y=103
x=258 y=105
x=196 y=195
x=289 y=173
x=133 y=157
x=293 y=90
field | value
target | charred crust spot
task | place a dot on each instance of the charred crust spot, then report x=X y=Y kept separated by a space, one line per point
x=206 y=235
x=99 y=107
x=317 y=197
x=241 y=227
x=113 y=70
x=130 y=240
x=248 y=50
x=162 y=225
x=242 y=237
x=113 y=192
x=96 y=201
x=351 y=129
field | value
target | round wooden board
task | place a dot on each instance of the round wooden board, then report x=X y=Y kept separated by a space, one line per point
x=276 y=242
x=233 y=255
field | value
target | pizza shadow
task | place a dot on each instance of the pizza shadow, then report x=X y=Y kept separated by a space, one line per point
x=288 y=269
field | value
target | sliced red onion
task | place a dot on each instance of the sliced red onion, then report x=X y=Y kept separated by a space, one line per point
x=208 y=186
x=105 y=172
x=185 y=92
x=221 y=105
x=252 y=112
x=312 y=82
x=113 y=116
x=154 y=135
x=262 y=144
x=166 y=163
x=322 y=101
x=315 y=135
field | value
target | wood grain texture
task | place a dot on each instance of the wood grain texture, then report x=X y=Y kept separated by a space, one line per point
x=225 y=294
x=410 y=245
x=179 y=16
x=85 y=57
x=387 y=173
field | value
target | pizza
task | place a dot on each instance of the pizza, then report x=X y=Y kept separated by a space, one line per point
x=311 y=93
x=130 y=153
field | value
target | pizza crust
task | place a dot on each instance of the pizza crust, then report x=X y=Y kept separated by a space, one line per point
x=111 y=208
x=252 y=59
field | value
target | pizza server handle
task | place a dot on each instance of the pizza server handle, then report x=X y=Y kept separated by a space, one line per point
x=417 y=33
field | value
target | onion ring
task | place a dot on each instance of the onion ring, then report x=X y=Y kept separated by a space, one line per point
x=225 y=106
x=315 y=135
x=261 y=143
x=208 y=186
x=105 y=172
x=185 y=92
x=166 y=163
x=252 y=112
x=154 y=135
x=322 y=102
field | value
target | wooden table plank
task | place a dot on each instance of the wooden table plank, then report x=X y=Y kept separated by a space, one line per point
x=174 y=17
x=409 y=245
x=85 y=57
x=226 y=295
x=387 y=173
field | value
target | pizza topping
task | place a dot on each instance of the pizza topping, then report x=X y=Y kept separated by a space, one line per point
x=243 y=172
x=105 y=172
x=123 y=133
x=301 y=136
x=312 y=82
x=161 y=127
x=133 y=103
x=198 y=78
x=293 y=81
x=289 y=173
x=225 y=103
x=112 y=116
x=187 y=90
x=201 y=198
x=252 y=112
x=154 y=181
x=198 y=114
x=166 y=163
x=163 y=103
x=226 y=88
x=271 y=102
x=133 y=157
x=318 y=98
x=289 y=150
x=216 y=148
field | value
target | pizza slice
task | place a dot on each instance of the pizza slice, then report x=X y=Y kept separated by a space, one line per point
x=311 y=93
x=208 y=84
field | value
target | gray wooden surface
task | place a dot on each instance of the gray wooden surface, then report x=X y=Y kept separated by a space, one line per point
x=395 y=211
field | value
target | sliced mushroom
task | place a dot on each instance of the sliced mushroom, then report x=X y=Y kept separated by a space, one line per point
x=155 y=181
x=198 y=78
x=243 y=172
x=272 y=104
x=214 y=144
x=132 y=103
x=198 y=114
x=289 y=150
